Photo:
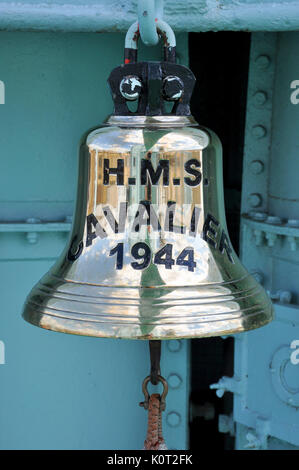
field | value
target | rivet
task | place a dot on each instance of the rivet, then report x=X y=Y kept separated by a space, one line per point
x=259 y=132
x=226 y=424
x=260 y=98
x=256 y=167
x=258 y=276
x=258 y=237
x=33 y=220
x=263 y=61
x=260 y=216
x=32 y=237
x=273 y=219
x=174 y=345
x=255 y=199
x=271 y=239
x=293 y=243
x=293 y=223
x=173 y=419
x=285 y=296
x=174 y=381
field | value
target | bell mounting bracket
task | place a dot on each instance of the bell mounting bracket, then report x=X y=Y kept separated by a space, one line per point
x=151 y=83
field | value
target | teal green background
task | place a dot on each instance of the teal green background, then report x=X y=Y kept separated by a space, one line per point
x=60 y=391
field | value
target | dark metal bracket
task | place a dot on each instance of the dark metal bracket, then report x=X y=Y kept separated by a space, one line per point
x=158 y=82
x=155 y=356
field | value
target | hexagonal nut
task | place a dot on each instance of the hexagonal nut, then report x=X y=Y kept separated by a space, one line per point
x=130 y=87
x=173 y=88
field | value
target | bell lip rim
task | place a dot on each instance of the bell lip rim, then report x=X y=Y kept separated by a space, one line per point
x=159 y=121
x=149 y=287
x=269 y=318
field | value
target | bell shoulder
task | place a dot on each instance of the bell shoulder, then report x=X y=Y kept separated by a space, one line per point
x=118 y=139
x=213 y=140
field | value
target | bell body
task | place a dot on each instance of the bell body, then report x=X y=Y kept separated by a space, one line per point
x=149 y=255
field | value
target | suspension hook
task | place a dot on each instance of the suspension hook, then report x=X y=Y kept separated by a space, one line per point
x=163 y=30
x=155 y=375
x=149 y=12
x=155 y=357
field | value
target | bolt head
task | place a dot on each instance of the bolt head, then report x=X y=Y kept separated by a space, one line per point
x=130 y=87
x=173 y=88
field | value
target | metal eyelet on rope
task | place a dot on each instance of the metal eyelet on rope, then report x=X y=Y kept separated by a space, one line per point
x=149 y=12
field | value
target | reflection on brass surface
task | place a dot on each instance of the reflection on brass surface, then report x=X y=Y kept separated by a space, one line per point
x=149 y=255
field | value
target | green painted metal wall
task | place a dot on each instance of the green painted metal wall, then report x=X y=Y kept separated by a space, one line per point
x=182 y=15
x=61 y=391
x=266 y=380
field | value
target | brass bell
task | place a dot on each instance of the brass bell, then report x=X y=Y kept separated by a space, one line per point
x=149 y=255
